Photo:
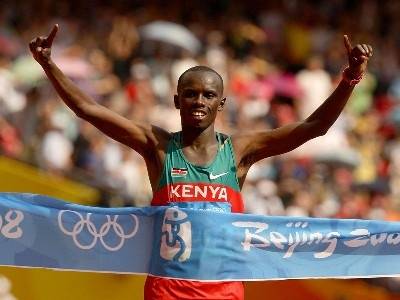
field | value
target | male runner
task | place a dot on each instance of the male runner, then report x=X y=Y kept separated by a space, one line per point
x=198 y=165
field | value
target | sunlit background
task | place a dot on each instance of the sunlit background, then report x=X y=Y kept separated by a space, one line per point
x=279 y=61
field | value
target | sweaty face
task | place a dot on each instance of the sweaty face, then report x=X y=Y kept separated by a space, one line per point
x=199 y=98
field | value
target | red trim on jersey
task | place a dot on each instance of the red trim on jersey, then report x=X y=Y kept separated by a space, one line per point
x=195 y=191
x=157 y=288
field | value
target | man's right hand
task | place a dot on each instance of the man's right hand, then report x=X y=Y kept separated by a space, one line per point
x=41 y=46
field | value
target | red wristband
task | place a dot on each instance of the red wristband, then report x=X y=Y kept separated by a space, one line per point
x=348 y=77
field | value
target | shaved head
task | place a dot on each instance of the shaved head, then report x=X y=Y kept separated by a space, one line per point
x=201 y=69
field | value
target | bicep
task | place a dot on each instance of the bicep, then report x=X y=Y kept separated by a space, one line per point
x=140 y=138
x=255 y=146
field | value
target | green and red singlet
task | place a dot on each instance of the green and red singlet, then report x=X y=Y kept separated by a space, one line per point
x=186 y=185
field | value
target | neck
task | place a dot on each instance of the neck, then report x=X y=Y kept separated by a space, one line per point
x=196 y=137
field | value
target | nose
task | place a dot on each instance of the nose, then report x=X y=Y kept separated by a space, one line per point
x=200 y=98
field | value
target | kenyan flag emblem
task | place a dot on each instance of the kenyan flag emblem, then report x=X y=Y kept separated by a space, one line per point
x=179 y=172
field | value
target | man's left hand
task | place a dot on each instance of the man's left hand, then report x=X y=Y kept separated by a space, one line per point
x=358 y=57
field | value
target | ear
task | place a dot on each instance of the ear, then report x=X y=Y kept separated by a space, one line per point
x=176 y=102
x=221 y=104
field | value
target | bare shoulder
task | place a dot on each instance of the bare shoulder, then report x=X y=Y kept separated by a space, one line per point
x=154 y=157
x=157 y=144
x=245 y=143
x=161 y=136
x=240 y=141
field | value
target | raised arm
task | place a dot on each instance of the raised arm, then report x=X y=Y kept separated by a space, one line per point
x=252 y=147
x=148 y=141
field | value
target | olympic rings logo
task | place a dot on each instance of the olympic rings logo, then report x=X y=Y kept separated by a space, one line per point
x=85 y=222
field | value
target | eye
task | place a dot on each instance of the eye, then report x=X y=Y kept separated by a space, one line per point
x=210 y=95
x=189 y=93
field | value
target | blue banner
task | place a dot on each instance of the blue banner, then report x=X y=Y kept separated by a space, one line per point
x=197 y=242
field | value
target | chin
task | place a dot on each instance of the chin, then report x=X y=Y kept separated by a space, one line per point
x=196 y=125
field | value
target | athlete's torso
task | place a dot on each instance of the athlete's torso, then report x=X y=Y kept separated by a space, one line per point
x=215 y=187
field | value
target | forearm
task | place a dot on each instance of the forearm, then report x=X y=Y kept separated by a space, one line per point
x=73 y=97
x=329 y=111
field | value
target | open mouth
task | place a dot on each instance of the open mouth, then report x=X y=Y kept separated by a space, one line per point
x=197 y=114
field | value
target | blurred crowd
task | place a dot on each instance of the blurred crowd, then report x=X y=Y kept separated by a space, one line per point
x=279 y=59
